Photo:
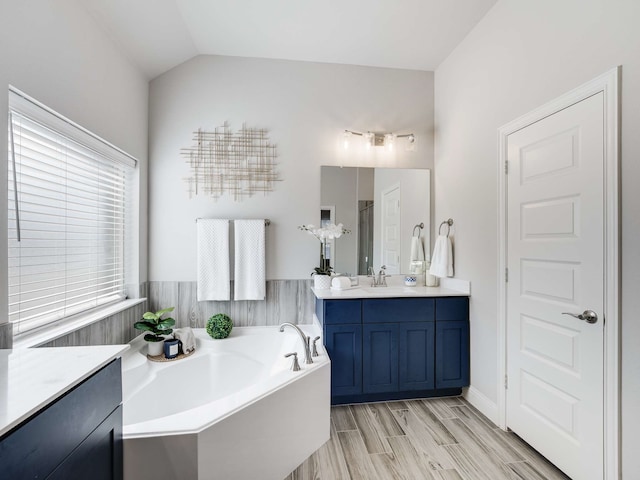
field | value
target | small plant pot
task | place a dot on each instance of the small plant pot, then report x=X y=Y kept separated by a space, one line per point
x=321 y=282
x=155 y=348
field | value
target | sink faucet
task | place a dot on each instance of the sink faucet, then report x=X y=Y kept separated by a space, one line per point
x=305 y=341
x=382 y=276
x=379 y=280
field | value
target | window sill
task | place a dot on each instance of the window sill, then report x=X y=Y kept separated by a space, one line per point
x=41 y=336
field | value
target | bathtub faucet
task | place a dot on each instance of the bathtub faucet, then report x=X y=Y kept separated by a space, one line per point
x=305 y=341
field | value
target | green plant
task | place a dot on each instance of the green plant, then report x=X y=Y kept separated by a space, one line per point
x=322 y=270
x=156 y=325
x=219 y=326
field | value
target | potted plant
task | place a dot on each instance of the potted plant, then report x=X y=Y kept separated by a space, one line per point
x=322 y=274
x=157 y=327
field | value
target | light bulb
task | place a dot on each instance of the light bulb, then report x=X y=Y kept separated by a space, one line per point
x=346 y=139
x=389 y=141
x=411 y=143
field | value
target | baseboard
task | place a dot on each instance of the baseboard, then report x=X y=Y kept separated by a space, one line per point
x=479 y=400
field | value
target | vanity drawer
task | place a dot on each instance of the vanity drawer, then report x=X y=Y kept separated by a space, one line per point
x=385 y=310
x=452 y=308
x=36 y=447
x=341 y=312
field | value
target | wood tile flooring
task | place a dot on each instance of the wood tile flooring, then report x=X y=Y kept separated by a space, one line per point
x=440 y=439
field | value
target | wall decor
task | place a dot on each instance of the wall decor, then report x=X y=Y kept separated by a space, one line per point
x=238 y=163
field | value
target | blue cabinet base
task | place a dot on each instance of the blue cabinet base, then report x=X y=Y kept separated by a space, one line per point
x=390 y=396
x=396 y=348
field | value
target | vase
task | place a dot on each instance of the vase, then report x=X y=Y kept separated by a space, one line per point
x=155 y=348
x=322 y=282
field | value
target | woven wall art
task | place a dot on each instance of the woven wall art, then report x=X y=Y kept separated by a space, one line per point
x=239 y=164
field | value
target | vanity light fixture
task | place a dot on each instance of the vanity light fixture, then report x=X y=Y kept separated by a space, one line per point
x=371 y=139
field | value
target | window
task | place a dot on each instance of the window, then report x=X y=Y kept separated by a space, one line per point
x=67 y=207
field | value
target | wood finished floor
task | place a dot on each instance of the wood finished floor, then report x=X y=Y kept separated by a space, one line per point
x=440 y=439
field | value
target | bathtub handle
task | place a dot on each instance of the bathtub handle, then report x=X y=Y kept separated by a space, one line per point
x=315 y=349
x=295 y=366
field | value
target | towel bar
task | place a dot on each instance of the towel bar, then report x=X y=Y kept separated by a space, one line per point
x=448 y=223
x=419 y=226
x=267 y=222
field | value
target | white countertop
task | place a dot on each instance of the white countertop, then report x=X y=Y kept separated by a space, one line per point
x=449 y=287
x=31 y=378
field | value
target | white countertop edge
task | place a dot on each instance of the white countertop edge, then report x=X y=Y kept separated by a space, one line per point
x=34 y=405
x=449 y=287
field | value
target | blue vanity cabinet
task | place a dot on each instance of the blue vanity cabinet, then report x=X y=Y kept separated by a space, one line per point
x=78 y=436
x=342 y=331
x=394 y=348
x=452 y=342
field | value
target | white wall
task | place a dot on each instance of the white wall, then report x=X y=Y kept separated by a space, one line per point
x=304 y=106
x=53 y=51
x=521 y=55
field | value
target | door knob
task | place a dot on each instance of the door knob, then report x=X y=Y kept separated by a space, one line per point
x=588 y=316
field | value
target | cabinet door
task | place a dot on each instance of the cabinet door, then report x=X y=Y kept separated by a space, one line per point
x=416 y=356
x=380 y=358
x=38 y=446
x=344 y=345
x=452 y=354
x=99 y=456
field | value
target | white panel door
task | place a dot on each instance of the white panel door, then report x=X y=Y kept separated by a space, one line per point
x=391 y=230
x=555 y=259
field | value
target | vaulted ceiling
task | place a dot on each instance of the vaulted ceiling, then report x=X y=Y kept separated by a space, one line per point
x=413 y=34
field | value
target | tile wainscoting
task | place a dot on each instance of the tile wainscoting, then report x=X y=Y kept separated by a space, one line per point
x=6 y=335
x=287 y=301
x=113 y=330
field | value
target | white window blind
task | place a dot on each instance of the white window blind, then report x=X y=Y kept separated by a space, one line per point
x=67 y=207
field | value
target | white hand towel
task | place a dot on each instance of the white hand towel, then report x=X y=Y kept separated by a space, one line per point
x=416 y=260
x=186 y=336
x=417 y=252
x=214 y=282
x=249 y=271
x=442 y=258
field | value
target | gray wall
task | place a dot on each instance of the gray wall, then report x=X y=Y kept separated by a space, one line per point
x=340 y=189
x=521 y=55
x=305 y=106
x=56 y=53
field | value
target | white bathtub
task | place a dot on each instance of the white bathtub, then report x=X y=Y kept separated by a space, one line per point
x=232 y=410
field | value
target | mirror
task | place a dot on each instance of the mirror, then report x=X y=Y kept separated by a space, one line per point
x=381 y=207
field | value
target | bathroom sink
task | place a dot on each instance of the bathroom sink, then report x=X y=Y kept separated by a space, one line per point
x=391 y=291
